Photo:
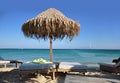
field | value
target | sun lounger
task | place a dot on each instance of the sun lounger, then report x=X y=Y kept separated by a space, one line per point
x=116 y=60
x=112 y=68
x=16 y=62
x=27 y=68
x=72 y=67
x=4 y=63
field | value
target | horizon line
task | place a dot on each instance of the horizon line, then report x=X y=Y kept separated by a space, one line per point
x=65 y=48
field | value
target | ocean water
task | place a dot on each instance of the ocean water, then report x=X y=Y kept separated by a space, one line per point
x=59 y=55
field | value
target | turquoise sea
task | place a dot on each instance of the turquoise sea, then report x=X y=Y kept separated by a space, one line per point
x=73 y=55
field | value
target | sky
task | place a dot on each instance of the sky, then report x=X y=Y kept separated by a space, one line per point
x=99 y=23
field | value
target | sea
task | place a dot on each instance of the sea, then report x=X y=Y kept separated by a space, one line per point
x=61 y=55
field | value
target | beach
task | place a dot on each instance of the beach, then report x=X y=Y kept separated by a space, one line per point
x=11 y=75
x=88 y=57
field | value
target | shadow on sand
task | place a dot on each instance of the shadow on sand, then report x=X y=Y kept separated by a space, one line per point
x=13 y=77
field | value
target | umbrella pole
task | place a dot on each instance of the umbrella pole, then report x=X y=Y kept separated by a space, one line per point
x=51 y=49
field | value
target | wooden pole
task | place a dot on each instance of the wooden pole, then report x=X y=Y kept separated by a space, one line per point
x=51 y=49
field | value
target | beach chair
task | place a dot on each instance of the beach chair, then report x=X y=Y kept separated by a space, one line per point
x=116 y=60
x=16 y=62
x=5 y=62
x=27 y=68
x=72 y=67
x=112 y=68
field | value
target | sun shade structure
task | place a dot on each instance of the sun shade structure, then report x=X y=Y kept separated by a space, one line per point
x=51 y=24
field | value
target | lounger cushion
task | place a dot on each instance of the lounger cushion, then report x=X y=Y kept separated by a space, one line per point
x=3 y=61
x=32 y=66
x=72 y=65
x=108 y=64
x=16 y=61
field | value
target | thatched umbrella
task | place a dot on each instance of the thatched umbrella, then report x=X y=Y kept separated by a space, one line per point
x=51 y=24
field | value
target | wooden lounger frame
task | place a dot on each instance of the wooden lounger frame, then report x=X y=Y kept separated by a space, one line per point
x=72 y=70
x=4 y=64
x=23 y=72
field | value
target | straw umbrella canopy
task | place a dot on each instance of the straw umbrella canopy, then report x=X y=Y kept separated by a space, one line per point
x=51 y=24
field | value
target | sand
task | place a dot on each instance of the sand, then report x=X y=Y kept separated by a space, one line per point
x=93 y=77
x=11 y=75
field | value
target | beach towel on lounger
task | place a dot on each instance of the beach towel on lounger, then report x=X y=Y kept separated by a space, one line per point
x=40 y=61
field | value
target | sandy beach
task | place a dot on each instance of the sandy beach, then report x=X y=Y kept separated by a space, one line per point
x=11 y=75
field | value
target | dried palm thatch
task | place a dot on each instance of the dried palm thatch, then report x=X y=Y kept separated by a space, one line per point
x=51 y=24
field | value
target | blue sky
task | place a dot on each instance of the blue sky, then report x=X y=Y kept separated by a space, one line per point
x=99 y=20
